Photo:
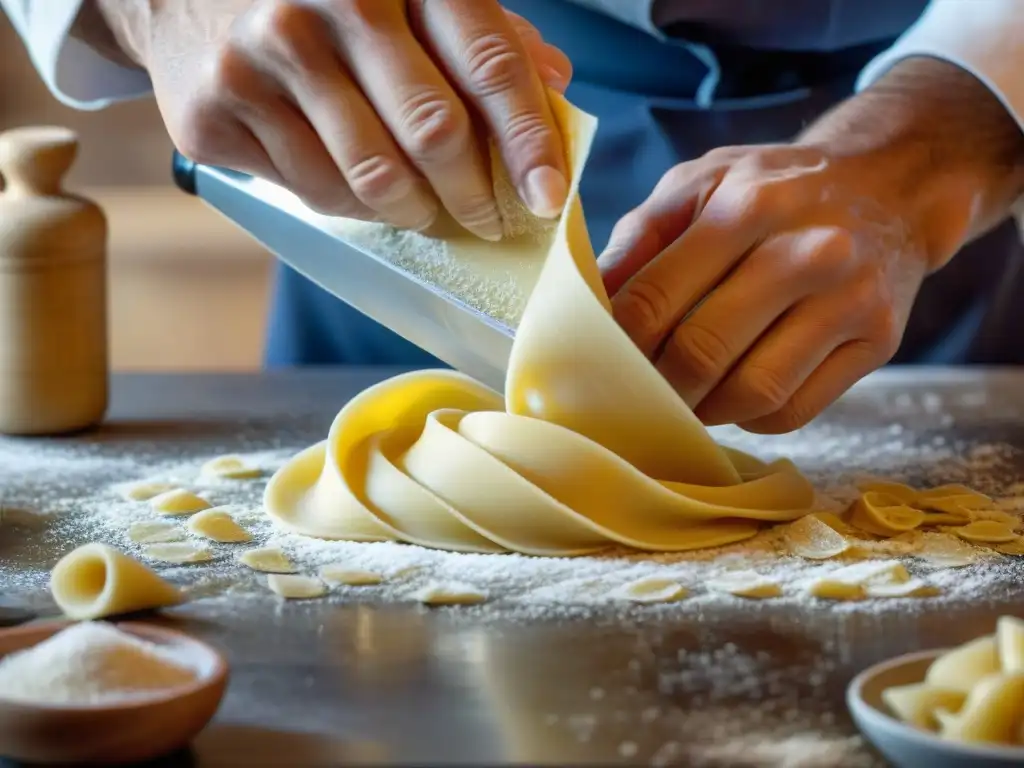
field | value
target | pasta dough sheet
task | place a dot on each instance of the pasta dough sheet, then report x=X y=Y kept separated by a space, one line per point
x=589 y=448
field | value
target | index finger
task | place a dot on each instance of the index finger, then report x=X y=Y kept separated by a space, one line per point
x=483 y=55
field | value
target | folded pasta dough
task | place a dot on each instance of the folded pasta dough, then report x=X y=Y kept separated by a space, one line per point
x=589 y=448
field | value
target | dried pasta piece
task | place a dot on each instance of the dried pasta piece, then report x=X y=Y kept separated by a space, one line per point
x=1015 y=547
x=746 y=584
x=904 y=493
x=292 y=587
x=998 y=516
x=872 y=572
x=853 y=582
x=154 y=532
x=986 y=532
x=992 y=712
x=935 y=519
x=884 y=515
x=837 y=590
x=337 y=573
x=961 y=668
x=450 y=593
x=177 y=553
x=229 y=468
x=953 y=498
x=651 y=590
x=178 y=502
x=910 y=588
x=267 y=560
x=1010 y=643
x=916 y=703
x=813 y=539
x=944 y=551
x=217 y=525
x=145 y=491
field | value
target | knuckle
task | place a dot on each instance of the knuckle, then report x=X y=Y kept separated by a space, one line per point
x=764 y=387
x=789 y=418
x=493 y=65
x=475 y=210
x=886 y=331
x=829 y=253
x=288 y=21
x=702 y=351
x=228 y=73
x=644 y=308
x=378 y=179
x=193 y=137
x=432 y=126
x=528 y=128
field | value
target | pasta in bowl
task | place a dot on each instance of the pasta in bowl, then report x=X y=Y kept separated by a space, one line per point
x=961 y=706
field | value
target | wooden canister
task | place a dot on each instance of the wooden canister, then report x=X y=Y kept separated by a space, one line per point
x=53 y=290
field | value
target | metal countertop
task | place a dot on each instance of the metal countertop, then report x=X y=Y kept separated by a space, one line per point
x=328 y=683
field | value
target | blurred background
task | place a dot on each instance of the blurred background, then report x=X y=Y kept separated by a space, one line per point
x=188 y=291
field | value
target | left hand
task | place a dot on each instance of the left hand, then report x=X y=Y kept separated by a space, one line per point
x=810 y=265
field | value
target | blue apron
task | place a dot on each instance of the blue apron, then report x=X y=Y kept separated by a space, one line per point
x=968 y=312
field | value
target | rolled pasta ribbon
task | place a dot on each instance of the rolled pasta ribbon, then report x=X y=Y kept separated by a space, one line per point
x=589 y=448
x=95 y=581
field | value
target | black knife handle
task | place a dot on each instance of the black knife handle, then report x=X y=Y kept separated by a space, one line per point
x=184 y=172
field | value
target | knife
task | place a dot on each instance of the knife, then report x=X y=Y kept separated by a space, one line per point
x=413 y=307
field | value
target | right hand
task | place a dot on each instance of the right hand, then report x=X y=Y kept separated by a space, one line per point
x=368 y=109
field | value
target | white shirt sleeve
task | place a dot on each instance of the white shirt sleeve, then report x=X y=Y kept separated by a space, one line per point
x=983 y=37
x=76 y=74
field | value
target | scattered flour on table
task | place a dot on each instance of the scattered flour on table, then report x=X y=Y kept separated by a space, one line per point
x=47 y=499
x=92 y=663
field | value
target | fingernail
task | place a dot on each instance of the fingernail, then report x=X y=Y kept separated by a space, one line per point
x=415 y=213
x=555 y=79
x=488 y=230
x=544 y=192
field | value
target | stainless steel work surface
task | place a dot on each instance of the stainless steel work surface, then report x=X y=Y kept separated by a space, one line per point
x=343 y=682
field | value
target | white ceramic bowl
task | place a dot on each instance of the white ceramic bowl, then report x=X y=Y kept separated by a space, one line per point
x=904 y=745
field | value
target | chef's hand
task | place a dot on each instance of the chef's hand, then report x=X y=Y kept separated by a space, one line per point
x=371 y=109
x=812 y=274
x=810 y=254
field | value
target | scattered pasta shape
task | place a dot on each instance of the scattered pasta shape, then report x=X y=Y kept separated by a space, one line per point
x=556 y=467
x=985 y=532
x=992 y=713
x=910 y=588
x=884 y=514
x=814 y=539
x=154 y=532
x=452 y=593
x=178 y=502
x=859 y=580
x=95 y=581
x=1014 y=548
x=267 y=560
x=292 y=587
x=177 y=553
x=339 y=574
x=945 y=551
x=217 y=525
x=145 y=491
x=651 y=590
x=745 y=584
x=229 y=468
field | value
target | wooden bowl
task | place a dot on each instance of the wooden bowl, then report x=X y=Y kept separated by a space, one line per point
x=106 y=734
x=904 y=745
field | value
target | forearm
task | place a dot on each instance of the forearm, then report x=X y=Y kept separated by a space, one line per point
x=945 y=140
